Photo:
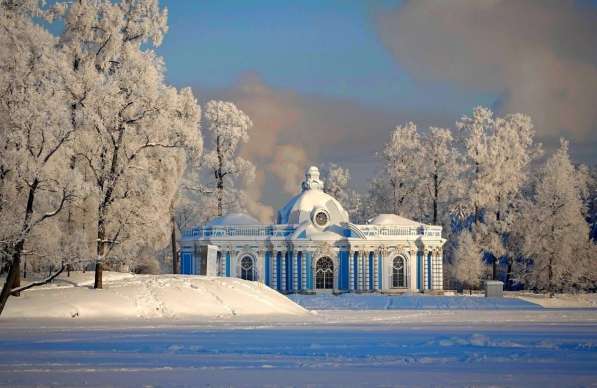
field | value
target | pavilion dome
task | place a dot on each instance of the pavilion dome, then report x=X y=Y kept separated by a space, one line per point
x=310 y=202
x=233 y=219
x=392 y=219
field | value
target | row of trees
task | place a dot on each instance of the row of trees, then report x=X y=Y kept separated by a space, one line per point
x=94 y=143
x=103 y=162
x=506 y=215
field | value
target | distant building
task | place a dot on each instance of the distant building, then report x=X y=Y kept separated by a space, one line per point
x=314 y=247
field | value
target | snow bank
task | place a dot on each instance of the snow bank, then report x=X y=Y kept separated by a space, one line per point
x=562 y=300
x=128 y=296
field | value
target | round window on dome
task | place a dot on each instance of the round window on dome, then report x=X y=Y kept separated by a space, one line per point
x=321 y=218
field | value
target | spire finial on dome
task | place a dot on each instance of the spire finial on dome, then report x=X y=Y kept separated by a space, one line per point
x=312 y=181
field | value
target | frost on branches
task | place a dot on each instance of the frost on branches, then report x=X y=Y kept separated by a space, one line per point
x=134 y=128
x=36 y=135
x=420 y=175
x=497 y=154
x=470 y=268
x=336 y=183
x=558 y=254
x=96 y=143
x=228 y=127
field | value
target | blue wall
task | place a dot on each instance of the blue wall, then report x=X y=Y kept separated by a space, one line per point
x=343 y=271
x=355 y=270
x=279 y=270
x=268 y=268
x=429 y=271
x=309 y=271
x=371 y=270
x=186 y=261
x=299 y=260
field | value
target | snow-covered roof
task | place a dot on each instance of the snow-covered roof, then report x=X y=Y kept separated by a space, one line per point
x=392 y=219
x=233 y=219
x=300 y=208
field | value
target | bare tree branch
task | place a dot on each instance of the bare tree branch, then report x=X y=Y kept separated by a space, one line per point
x=40 y=282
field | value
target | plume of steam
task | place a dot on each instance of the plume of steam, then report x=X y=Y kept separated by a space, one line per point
x=288 y=164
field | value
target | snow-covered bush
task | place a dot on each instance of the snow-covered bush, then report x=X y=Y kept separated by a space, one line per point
x=147 y=266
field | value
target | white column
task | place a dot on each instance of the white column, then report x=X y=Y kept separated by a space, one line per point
x=437 y=270
x=440 y=259
x=350 y=270
x=412 y=269
x=375 y=271
x=261 y=265
x=367 y=269
x=294 y=261
x=283 y=271
x=425 y=270
x=274 y=259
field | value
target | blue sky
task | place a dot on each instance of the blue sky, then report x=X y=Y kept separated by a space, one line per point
x=326 y=81
x=327 y=48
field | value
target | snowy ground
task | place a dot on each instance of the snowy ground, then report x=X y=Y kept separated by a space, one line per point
x=336 y=348
x=353 y=340
x=130 y=297
x=409 y=302
x=560 y=300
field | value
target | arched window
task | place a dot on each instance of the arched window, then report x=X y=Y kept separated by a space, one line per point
x=324 y=273
x=247 y=268
x=399 y=272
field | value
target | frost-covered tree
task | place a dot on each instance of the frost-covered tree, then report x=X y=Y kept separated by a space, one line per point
x=36 y=178
x=440 y=173
x=420 y=175
x=133 y=127
x=468 y=267
x=592 y=202
x=553 y=231
x=395 y=188
x=228 y=127
x=336 y=183
x=498 y=152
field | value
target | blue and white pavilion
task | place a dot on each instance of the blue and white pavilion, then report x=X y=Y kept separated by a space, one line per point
x=314 y=247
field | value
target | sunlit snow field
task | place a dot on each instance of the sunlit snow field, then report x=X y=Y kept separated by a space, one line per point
x=529 y=354
x=349 y=340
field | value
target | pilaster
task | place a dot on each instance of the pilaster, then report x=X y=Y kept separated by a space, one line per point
x=376 y=271
x=274 y=260
x=367 y=269
x=283 y=270
x=294 y=262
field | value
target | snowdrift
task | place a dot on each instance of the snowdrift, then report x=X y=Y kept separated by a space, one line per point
x=128 y=296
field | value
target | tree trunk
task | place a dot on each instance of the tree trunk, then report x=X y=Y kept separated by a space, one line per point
x=8 y=286
x=550 y=275
x=435 y=197
x=98 y=275
x=173 y=245
x=14 y=275
x=220 y=177
x=494 y=268
x=101 y=249
x=17 y=281
x=508 y=275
